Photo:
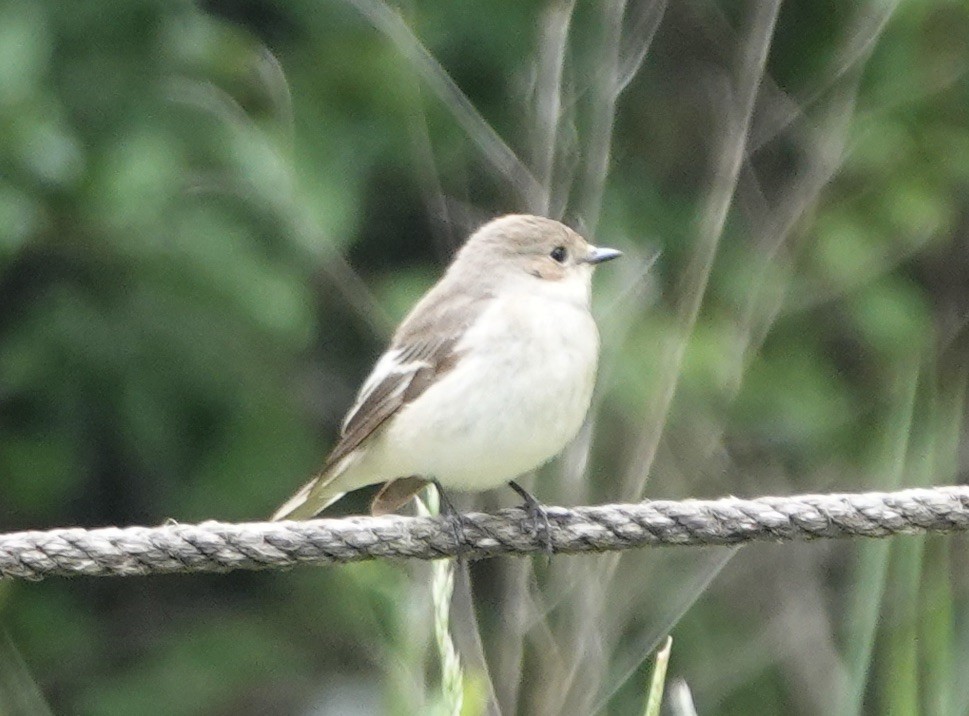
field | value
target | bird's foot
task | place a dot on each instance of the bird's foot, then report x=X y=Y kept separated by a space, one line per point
x=454 y=519
x=538 y=523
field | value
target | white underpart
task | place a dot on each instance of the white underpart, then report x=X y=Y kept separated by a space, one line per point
x=518 y=394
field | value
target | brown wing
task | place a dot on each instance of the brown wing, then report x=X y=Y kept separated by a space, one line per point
x=400 y=376
x=423 y=349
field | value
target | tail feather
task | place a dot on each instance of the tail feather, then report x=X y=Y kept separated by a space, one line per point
x=306 y=503
x=323 y=490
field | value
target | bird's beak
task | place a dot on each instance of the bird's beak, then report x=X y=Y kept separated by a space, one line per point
x=598 y=255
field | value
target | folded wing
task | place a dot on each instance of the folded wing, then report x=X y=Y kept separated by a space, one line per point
x=400 y=376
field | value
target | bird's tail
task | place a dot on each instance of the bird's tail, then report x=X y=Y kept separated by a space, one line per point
x=307 y=503
x=322 y=491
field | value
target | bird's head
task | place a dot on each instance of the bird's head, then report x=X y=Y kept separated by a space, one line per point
x=533 y=254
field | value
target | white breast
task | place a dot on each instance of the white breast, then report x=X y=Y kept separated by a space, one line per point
x=518 y=394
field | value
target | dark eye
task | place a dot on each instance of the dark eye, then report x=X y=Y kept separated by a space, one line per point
x=559 y=254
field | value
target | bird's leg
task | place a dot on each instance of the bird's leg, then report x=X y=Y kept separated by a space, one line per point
x=537 y=516
x=453 y=517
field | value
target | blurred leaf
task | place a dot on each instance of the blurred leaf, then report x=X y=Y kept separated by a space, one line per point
x=25 y=50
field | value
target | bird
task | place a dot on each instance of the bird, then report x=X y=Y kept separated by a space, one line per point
x=487 y=378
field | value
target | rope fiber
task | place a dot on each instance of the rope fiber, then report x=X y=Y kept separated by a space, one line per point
x=223 y=547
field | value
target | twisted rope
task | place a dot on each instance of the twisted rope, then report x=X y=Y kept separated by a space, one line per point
x=222 y=547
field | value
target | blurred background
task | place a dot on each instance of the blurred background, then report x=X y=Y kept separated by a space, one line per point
x=212 y=215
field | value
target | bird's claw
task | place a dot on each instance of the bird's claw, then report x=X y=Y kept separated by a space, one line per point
x=455 y=521
x=537 y=522
x=540 y=526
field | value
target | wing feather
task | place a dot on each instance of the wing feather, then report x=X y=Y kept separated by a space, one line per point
x=424 y=348
x=400 y=376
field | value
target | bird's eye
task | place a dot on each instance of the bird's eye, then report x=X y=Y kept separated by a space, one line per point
x=559 y=254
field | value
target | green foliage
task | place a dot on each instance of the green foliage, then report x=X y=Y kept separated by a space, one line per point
x=210 y=219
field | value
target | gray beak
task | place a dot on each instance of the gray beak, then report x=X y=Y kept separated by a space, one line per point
x=598 y=255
